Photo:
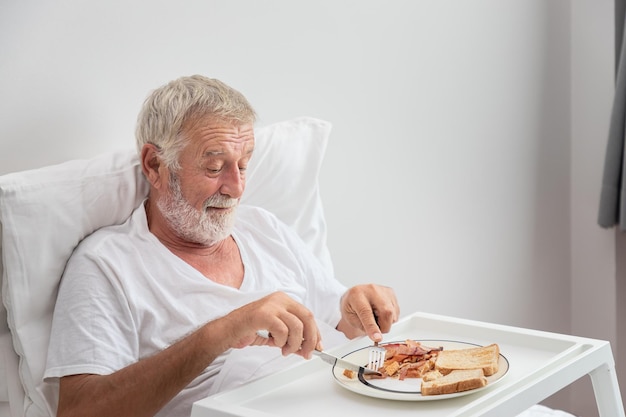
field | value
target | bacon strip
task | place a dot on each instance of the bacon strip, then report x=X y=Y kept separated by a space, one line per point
x=410 y=359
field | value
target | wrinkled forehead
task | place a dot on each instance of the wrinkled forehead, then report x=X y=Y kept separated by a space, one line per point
x=217 y=136
x=195 y=122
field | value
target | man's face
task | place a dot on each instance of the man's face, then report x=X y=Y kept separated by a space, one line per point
x=203 y=195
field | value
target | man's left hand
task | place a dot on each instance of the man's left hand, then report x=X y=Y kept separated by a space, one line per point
x=368 y=309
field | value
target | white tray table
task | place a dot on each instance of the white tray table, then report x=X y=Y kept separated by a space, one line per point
x=541 y=363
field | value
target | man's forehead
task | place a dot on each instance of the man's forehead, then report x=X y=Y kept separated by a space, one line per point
x=220 y=129
x=194 y=121
x=213 y=152
x=220 y=143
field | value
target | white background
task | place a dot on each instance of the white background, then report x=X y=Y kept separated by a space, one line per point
x=465 y=162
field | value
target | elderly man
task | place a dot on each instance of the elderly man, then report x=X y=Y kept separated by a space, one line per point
x=149 y=311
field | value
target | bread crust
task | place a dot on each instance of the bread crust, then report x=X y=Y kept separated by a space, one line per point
x=458 y=380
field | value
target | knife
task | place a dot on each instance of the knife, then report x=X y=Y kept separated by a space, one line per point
x=335 y=361
x=331 y=359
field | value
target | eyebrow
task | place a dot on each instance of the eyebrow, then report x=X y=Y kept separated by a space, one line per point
x=210 y=154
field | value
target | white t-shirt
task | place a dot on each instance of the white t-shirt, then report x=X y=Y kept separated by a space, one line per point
x=124 y=296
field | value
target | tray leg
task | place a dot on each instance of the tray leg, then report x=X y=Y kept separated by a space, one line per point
x=606 y=389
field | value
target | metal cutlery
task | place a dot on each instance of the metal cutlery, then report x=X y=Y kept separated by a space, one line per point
x=341 y=363
x=333 y=360
x=376 y=357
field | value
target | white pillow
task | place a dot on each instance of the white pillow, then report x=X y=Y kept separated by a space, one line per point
x=46 y=212
x=282 y=177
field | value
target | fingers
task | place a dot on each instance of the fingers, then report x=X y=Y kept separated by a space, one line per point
x=388 y=312
x=285 y=323
x=311 y=338
x=371 y=308
x=293 y=339
x=302 y=333
x=367 y=318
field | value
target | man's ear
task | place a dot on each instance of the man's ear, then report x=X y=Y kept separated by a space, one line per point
x=151 y=164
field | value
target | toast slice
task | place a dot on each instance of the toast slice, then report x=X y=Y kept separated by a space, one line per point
x=485 y=358
x=456 y=381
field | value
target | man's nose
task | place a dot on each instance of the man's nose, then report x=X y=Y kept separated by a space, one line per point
x=233 y=182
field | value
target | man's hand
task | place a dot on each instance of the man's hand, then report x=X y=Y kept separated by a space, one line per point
x=290 y=325
x=368 y=309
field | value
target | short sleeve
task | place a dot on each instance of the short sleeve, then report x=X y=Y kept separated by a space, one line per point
x=92 y=329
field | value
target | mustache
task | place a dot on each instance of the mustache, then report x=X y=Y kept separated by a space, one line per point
x=220 y=201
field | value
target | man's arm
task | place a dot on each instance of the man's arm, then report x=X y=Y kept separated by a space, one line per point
x=143 y=388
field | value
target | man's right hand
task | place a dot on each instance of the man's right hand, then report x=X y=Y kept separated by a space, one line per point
x=290 y=325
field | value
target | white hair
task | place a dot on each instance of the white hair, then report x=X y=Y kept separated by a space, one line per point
x=169 y=108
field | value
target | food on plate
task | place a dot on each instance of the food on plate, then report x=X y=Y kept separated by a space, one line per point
x=431 y=375
x=442 y=371
x=484 y=357
x=349 y=373
x=457 y=380
x=458 y=370
x=410 y=359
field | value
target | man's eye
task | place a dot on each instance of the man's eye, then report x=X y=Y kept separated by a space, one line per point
x=214 y=170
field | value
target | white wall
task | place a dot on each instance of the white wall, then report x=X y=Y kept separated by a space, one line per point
x=449 y=172
x=594 y=290
x=456 y=161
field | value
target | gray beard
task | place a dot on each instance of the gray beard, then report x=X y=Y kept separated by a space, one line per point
x=205 y=227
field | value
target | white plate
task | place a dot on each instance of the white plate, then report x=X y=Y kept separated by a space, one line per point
x=410 y=388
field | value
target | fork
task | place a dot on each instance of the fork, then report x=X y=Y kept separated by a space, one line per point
x=376 y=357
